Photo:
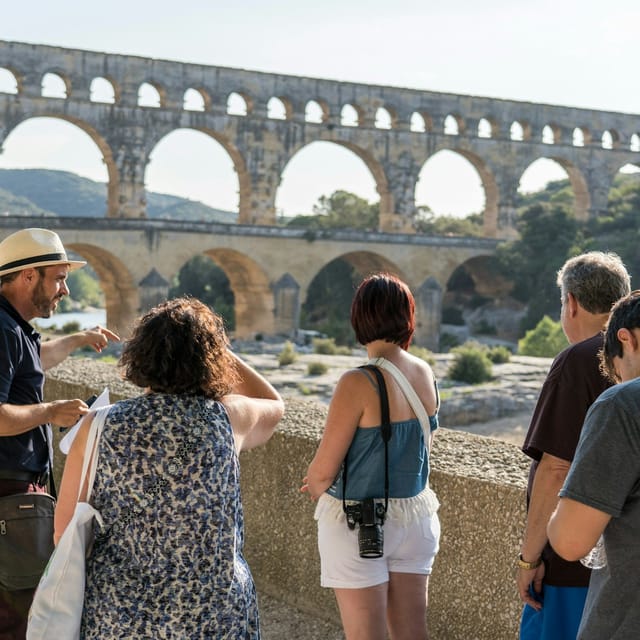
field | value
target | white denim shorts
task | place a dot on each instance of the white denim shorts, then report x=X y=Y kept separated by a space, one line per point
x=409 y=548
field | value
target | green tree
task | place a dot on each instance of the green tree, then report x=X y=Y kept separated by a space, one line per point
x=548 y=236
x=84 y=288
x=546 y=340
x=340 y=210
x=201 y=278
x=328 y=302
x=429 y=223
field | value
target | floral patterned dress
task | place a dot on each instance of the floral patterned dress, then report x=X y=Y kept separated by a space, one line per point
x=168 y=562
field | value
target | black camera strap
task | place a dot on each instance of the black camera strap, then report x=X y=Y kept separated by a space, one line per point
x=385 y=431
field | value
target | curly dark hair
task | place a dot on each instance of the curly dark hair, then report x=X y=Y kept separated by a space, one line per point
x=180 y=346
x=383 y=308
x=625 y=314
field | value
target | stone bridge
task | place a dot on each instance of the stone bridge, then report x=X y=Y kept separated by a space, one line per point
x=269 y=268
x=393 y=130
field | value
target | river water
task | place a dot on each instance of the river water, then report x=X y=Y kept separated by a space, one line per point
x=86 y=319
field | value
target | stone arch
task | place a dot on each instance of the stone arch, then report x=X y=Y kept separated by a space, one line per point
x=417 y=123
x=151 y=95
x=582 y=197
x=610 y=139
x=372 y=164
x=477 y=301
x=237 y=159
x=385 y=118
x=453 y=125
x=9 y=81
x=489 y=185
x=316 y=111
x=239 y=103
x=279 y=108
x=634 y=143
x=550 y=134
x=104 y=90
x=196 y=99
x=351 y=115
x=120 y=288
x=254 y=302
x=487 y=127
x=332 y=286
x=581 y=136
x=519 y=131
x=55 y=84
x=104 y=147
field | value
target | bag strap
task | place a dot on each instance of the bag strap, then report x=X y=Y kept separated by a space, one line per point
x=410 y=394
x=52 y=483
x=385 y=431
x=91 y=450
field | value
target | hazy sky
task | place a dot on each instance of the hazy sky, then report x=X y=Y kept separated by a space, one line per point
x=560 y=52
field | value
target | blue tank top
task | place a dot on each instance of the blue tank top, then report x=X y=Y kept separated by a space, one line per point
x=408 y=462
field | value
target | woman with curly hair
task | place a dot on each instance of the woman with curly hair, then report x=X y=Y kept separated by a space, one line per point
x=168 y=562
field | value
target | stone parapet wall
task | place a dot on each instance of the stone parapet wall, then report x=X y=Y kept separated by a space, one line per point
x=480 y=482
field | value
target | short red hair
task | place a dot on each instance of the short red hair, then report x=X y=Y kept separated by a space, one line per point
x=383 y=308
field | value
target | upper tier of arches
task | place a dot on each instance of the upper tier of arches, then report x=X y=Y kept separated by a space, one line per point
x=131 y=81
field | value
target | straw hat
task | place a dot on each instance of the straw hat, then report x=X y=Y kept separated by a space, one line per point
x=33 y=248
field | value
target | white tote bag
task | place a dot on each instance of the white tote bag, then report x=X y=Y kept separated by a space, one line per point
x=56 y=611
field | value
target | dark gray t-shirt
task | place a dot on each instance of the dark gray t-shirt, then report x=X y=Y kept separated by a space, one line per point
x=605 y=475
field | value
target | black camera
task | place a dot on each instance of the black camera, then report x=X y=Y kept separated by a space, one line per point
x=370 y=516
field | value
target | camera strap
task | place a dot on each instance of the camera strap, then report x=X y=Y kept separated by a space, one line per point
x=385 y=431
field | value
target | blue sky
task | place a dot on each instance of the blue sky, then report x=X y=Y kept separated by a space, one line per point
x=572 y=53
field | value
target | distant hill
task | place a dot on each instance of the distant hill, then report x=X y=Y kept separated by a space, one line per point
x=45 y=192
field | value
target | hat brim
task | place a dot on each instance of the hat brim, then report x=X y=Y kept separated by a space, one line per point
x=72 y=264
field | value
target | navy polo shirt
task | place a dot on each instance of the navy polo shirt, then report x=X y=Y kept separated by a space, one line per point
x=21 y=382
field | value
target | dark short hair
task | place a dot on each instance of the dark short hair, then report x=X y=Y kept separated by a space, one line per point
x=383 y=308
x=180 y=346
x=595 y=279
x=624 y=315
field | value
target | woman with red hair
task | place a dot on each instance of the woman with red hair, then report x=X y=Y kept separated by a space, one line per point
x=378 y=531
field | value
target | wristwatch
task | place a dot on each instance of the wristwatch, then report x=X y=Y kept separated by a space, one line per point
x=523 y=564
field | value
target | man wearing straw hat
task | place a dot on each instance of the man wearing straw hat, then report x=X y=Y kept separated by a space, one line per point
x=33 y=272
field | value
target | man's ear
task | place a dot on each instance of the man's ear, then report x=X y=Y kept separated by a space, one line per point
x=572 y=304
x=29 y=276
x=627 y=338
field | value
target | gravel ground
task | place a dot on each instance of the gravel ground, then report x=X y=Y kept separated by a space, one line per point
x=282 y=622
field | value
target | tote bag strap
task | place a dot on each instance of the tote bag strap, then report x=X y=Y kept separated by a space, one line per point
x=91 y=450
x=409 y=392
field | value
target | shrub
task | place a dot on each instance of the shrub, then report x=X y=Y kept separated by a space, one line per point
x=545 y=340
x=499 y=354
x=288 y=355
x=316 y=368
x=470 y=364
x=423 y=354
x=71 y=327
x=448 y=341
x=328 y=347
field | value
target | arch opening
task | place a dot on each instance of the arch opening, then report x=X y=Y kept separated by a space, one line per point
x=57 y=182
x=102 y=90
x=451 y=126
x=516 y=131
x=8 y=81
x=201 y=185
x=417 y=123
x=149 y=96
x=383 y=119
x=276 y=109
x=54 y=86
x=319 y=170
x=237 y=104
x=449 y=185
x=194 y=100
x=349 y=116
x=314 y=112
x=485 y=128
x=329 y=294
